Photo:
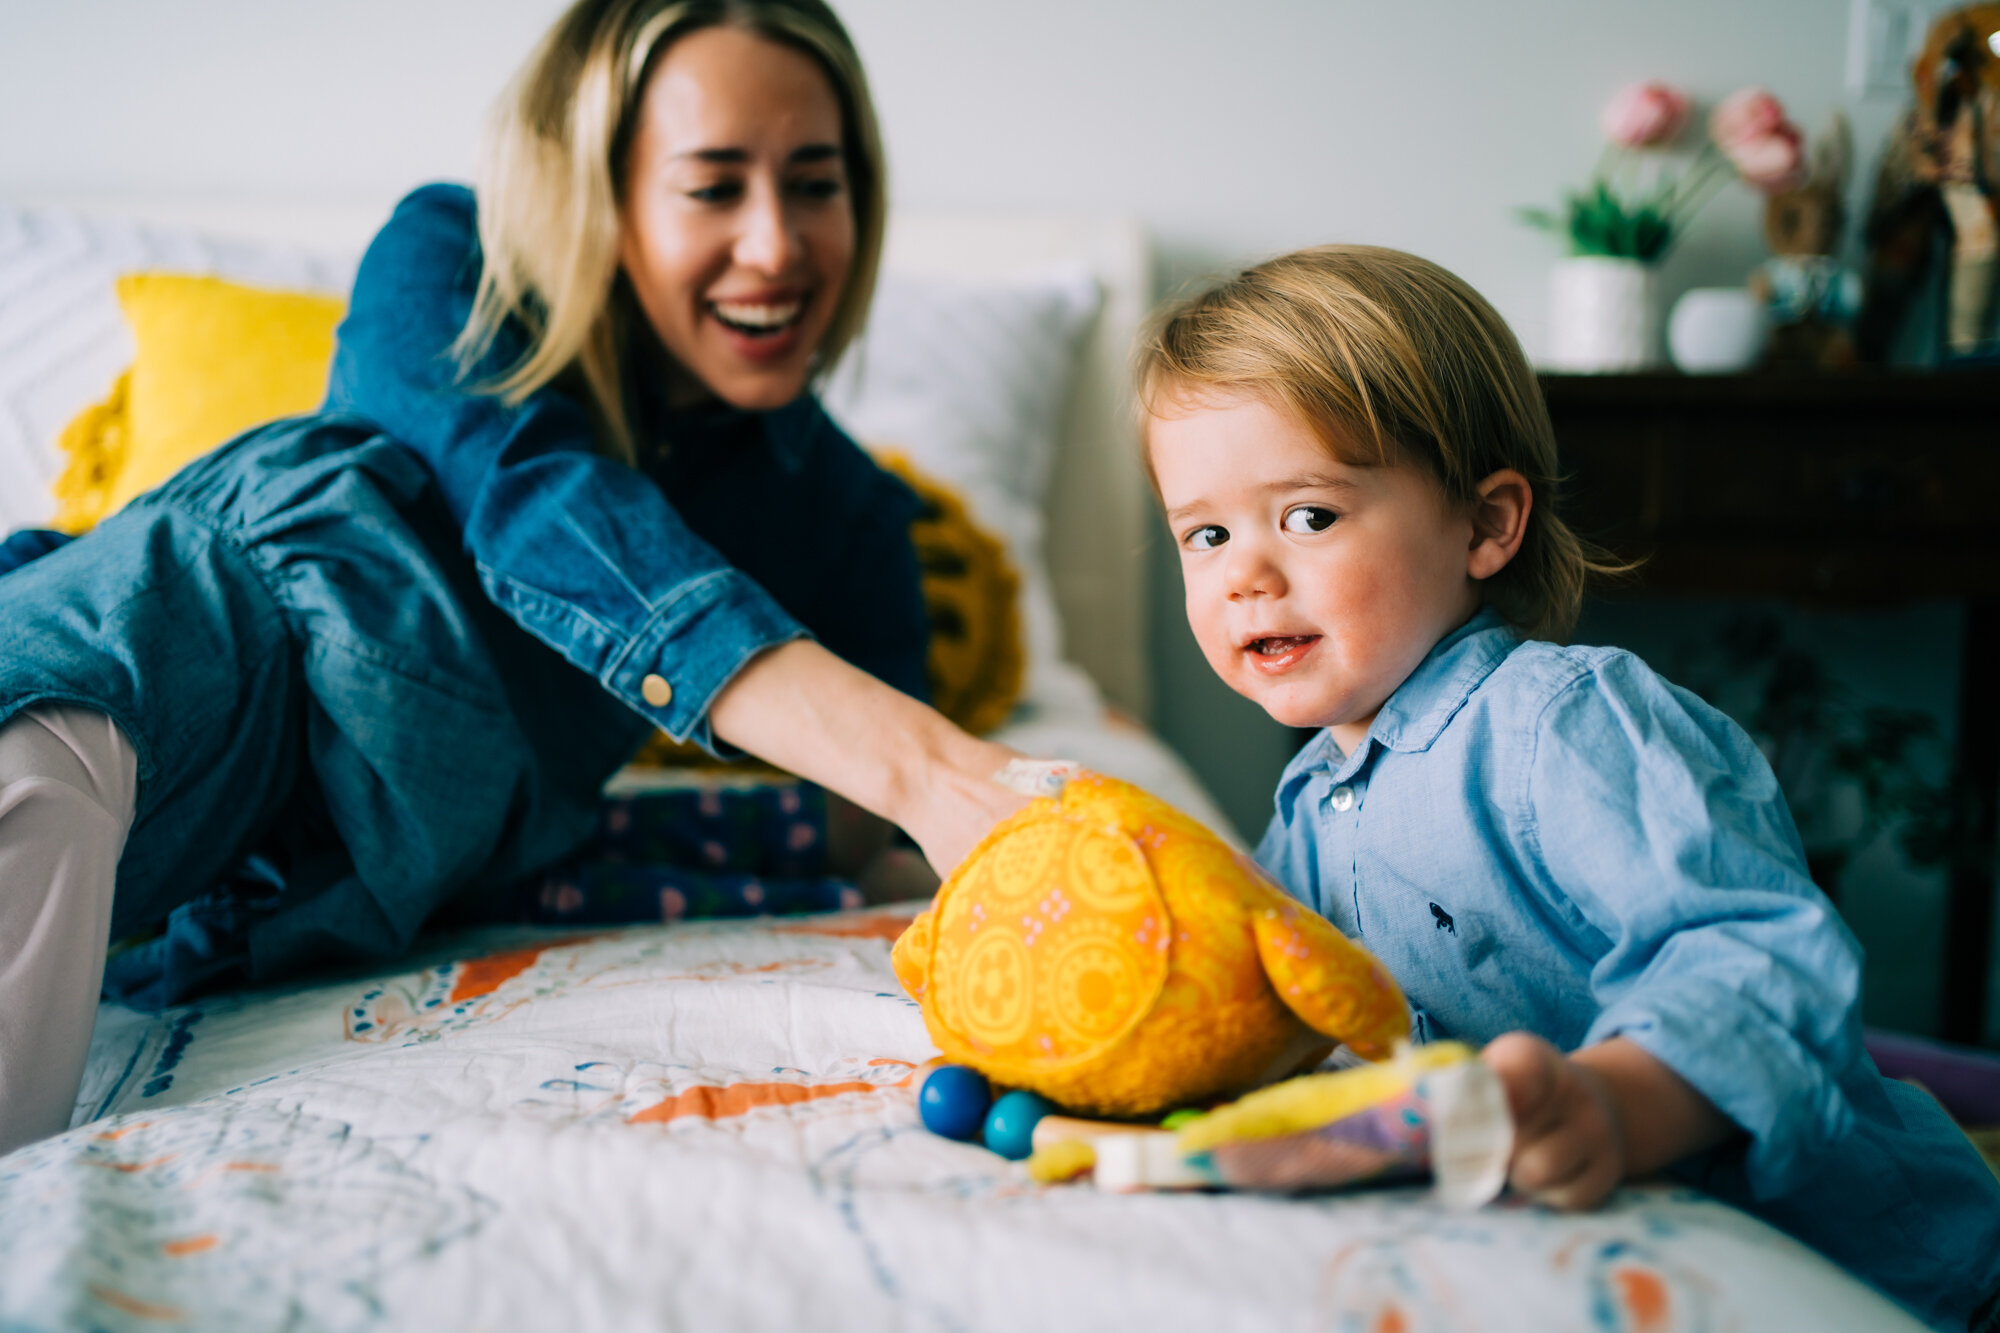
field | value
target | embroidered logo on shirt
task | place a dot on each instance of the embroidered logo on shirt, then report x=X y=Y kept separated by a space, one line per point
x=1443 y=918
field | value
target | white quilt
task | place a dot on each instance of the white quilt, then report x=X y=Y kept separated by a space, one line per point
x=710 y=1126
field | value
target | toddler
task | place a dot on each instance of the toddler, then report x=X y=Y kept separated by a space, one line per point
x=1556 y=852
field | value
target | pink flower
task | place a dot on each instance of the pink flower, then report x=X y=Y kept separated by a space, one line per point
x=1750 y=113
x=1774 y=161
x=1645 y=115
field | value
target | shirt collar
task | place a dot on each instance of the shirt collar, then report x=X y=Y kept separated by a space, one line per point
x=1419 y=708
x=1442 y=682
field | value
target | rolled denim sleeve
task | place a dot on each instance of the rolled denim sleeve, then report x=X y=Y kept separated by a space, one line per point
x=1657 y=819
x=583 y=551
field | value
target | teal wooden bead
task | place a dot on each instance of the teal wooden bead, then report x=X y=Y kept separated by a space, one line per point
x=1010 y=1125
x=953 y=1101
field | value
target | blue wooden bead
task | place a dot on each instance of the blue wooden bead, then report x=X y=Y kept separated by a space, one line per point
x=953 y=1101
x=1010 y=1125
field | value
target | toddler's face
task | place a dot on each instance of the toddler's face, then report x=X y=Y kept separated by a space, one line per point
x=1314 y=587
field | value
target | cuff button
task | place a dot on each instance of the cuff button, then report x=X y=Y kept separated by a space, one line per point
x=656 y=691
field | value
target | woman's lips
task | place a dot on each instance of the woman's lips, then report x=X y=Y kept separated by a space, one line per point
x=761 y=329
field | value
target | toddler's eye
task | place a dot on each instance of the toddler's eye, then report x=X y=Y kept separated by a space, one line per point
x=1309 y=518
x=1206 y=538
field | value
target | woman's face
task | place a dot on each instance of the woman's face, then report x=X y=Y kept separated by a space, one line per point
x=737 y=231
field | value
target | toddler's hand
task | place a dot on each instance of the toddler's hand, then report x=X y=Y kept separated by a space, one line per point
x=1569 y=1150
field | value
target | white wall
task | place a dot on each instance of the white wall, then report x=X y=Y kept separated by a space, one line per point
x=1230 y=130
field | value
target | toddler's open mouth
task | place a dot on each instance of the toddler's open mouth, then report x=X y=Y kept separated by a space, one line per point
x=1280 y=652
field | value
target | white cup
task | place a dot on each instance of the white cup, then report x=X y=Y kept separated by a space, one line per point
x=1717 y=330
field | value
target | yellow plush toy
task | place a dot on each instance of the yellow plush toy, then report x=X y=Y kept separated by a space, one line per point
x=1108 y=952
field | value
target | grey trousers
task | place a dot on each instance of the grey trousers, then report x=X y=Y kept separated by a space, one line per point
x=68 y=781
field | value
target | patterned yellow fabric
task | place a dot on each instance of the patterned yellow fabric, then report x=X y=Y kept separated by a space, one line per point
x=215 y=358
x=971 y=593
x=1108 y=952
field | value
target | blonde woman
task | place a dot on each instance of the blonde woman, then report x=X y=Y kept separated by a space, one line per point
x=570 y=484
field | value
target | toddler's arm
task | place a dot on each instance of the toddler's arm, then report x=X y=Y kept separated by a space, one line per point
x=1609 y=1113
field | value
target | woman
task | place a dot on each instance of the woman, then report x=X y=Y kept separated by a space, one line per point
x=568 y=484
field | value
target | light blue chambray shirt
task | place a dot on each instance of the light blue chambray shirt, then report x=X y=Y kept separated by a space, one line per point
x=1557 y=839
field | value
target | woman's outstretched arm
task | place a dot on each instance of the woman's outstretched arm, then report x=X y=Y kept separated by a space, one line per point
x=804 y=709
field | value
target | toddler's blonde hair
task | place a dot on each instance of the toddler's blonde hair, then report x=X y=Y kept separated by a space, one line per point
x=1390 y=359
x=552 y=178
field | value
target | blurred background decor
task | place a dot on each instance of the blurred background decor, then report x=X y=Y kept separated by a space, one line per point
x=1812 y=295
x=1604 y=304
x=1932 y=227
x=1717 y=330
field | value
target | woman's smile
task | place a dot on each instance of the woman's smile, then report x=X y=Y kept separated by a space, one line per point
x=764 y=328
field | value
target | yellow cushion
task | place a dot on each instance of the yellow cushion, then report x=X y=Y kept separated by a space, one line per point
x=214 y=359
x=972 y=594
x=1108 y=952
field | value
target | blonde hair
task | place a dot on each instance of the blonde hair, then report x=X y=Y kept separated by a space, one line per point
x=552 y=179
x=1382 y=351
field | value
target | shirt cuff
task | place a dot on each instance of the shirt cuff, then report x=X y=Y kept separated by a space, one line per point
x=1790 y=1105
x=693 y=647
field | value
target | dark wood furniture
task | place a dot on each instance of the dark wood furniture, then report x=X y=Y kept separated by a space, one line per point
x=1869 y=489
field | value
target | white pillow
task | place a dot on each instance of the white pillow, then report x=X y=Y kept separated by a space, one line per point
x=970 y=378
x=63 y=340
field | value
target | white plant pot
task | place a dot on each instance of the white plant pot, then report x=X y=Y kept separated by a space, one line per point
x=1604 y=315
x=1717 y=330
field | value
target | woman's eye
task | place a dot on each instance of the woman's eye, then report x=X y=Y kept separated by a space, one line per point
x=716 y=194
x=820 y=187
x=1309 y=518
x=1206 y=538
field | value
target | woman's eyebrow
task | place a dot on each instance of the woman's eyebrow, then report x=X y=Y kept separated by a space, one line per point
x=812 y=152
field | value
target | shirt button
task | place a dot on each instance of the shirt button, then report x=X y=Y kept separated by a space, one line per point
x=656 y=691
x=1341 y=798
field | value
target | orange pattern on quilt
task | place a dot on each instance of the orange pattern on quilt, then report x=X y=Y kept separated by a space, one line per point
x=864 y=928
x=717 y=1102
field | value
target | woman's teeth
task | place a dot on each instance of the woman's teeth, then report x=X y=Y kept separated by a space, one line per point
x=755 y=317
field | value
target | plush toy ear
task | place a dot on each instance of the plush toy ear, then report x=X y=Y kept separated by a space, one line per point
x=1329 y=981
x=911 y=955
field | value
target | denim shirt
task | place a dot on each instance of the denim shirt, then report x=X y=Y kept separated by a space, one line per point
x=737 y=530
x=1557 y=839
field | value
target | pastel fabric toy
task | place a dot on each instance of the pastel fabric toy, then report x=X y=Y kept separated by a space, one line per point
x=1108 y=952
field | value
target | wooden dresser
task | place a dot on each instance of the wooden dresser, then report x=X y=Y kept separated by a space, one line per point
x=1851 y=491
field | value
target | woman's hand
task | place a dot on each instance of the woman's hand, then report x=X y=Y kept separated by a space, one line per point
x=804 y=709
x=1584 y=1123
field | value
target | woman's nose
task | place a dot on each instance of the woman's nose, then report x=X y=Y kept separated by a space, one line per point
x=766 y=242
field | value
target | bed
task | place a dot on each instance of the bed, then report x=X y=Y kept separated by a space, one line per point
x=711 y=1124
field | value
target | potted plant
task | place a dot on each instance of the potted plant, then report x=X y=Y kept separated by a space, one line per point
x=1604 y=312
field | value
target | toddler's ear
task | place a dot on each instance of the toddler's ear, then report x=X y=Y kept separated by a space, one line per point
x=1499 y=522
